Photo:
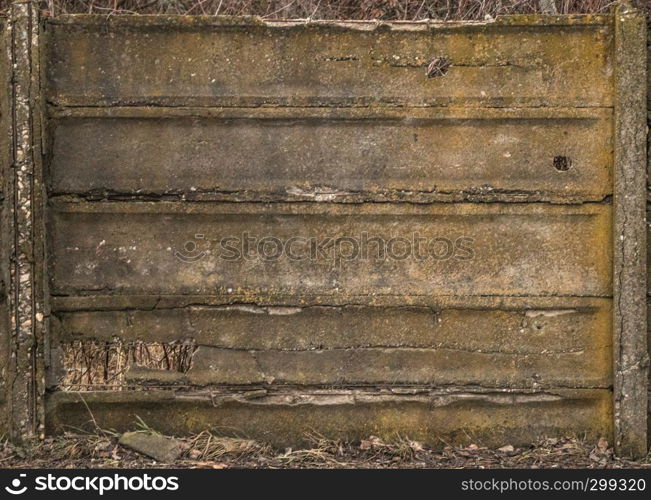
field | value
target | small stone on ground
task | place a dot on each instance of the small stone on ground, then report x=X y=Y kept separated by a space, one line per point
x=161 y=448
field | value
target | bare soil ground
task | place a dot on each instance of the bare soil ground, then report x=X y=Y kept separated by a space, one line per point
x=209 y=451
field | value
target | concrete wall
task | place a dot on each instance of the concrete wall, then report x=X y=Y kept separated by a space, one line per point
x=333 y=130
x=163 y=136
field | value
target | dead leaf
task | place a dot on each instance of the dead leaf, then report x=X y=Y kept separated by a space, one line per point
x=598 y=457
x=370 y=443
x=416 y=446
x=209 y=465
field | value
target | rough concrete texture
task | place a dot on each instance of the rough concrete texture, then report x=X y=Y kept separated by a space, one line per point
x=558 y=342
x=550 y=324
x=25 y=232
x=364 y=366
x=201 y=61
x=631 y=350
x=6 y=372
x=422 y=155
x=435 y=417
x=494 y=249
x=162 y=131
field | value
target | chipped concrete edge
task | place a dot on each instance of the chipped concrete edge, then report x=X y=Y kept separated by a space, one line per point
x=629 y=267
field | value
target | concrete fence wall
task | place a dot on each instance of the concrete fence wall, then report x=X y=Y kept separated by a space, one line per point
x=433 y=230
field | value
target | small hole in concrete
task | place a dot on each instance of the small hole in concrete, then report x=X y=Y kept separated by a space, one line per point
x=562 y=163
x=439 y=66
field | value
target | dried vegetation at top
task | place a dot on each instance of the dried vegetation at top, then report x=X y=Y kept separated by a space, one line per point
x=333 y=9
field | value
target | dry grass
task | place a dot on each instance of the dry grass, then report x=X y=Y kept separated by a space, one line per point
x=209 y=447
x=330 y=9
x=95 y=365
x=207 y=450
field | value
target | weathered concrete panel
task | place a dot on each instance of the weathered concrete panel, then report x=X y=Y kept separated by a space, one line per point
x=432 y=417
x=318 y=345
x=179 y=61
x=371 y=366
x=326 y=155
x=575 y=325
x=445 y=249
x=167 y=135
